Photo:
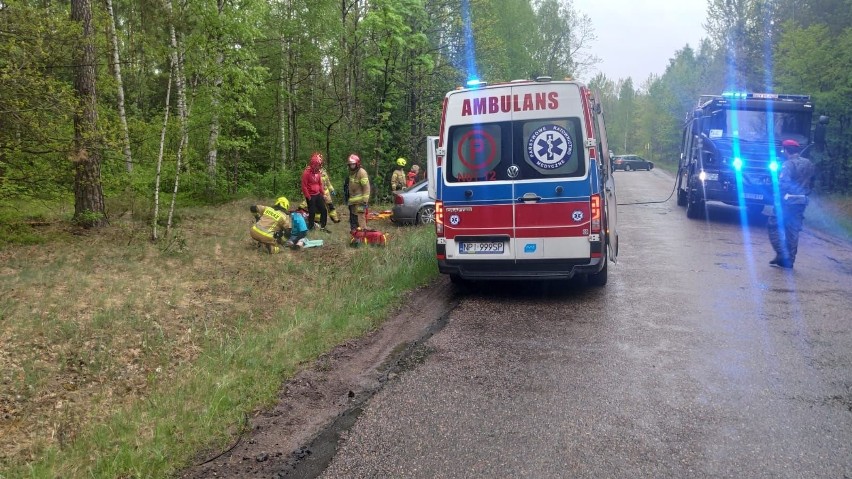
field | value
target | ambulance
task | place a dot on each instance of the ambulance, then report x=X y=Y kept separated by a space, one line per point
x=522 y=183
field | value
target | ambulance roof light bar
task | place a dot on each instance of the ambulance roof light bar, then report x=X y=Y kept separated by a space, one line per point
x=476 y=83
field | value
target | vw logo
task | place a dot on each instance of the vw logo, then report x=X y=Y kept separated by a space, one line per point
x=513 y=171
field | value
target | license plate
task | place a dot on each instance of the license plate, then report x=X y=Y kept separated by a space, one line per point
x=752 y=196
x=481 y=247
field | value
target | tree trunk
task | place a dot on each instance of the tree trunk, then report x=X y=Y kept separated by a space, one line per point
x=88 y=192
x=116 y=68
x=180 y=82
x=213 y=140
x=154 y=236
x=283 y=98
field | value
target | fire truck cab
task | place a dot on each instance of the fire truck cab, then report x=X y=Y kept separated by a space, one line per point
x=523 y=183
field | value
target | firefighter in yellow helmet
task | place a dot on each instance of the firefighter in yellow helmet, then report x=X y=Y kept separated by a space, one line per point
x=328 y=194
x=272 y=223
x=398 y=176
x=358 y=189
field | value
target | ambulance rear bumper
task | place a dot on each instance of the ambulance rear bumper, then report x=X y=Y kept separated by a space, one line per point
x=520 y=269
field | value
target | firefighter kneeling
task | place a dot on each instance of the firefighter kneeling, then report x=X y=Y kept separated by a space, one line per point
x=271 y=225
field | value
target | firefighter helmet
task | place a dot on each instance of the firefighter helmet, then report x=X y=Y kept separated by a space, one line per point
x=283 y=202
x=400 y=161
x=354 y=160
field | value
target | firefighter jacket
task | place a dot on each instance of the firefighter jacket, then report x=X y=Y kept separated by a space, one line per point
x=327 y=188
x=359 y=187
x=311 y=182
x=271 y=221
x=397 y=180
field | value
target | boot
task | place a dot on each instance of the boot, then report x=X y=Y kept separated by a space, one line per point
x=334 y=217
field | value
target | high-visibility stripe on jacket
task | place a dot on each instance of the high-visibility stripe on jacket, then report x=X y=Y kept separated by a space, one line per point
x=359 y=187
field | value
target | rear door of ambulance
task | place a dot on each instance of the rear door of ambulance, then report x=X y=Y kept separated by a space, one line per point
x=516 y=184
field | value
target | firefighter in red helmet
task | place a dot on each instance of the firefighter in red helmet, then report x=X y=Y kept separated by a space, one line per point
x=358 y=193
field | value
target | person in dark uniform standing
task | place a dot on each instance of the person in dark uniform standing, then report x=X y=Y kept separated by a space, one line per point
x=795 y=183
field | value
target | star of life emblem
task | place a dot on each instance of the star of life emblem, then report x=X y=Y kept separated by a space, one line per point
x=577 y=215
x=549 y=147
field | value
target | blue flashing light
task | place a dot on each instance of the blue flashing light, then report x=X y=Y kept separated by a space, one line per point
x=738 y=164
x=773 y=166
x=736 y=95
x=473 y=82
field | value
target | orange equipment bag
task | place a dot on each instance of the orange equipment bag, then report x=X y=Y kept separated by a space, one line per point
x=368 y=236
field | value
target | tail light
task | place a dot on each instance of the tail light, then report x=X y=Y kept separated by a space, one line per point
x=439 y=217
x=397 y=199
x=596 y=213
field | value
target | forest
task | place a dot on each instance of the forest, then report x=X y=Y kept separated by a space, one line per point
x=116 y=106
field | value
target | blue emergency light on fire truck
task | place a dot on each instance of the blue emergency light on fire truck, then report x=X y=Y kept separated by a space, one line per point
x=731 y=147
x=522 y=183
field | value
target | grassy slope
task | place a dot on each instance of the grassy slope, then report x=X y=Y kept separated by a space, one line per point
x=122 y=358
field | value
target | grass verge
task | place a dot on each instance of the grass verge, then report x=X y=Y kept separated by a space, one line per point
x=123 y=358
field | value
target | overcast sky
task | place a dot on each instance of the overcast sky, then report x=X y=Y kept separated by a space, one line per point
x=636 y=38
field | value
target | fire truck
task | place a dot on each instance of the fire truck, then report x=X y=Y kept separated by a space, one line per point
x=731 y=145
x=523 y=183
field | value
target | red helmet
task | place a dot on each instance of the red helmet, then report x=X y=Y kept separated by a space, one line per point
x=791 y=145
x=354 y=160
x=316 y=161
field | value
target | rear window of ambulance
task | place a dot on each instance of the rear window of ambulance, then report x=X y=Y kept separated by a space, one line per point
x=538 y=149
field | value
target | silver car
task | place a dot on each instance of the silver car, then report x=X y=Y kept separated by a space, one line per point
x=413 y=206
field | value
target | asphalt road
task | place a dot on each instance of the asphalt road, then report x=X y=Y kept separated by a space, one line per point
x=696 y=360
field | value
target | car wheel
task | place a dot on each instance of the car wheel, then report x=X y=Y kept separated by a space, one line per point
x=650 y=166
x=627 y=168
x=426 y=215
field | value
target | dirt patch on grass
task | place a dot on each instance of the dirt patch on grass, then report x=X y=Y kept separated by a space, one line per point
x=277 y=440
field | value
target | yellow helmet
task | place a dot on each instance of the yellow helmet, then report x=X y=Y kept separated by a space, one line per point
x=400 y=161
x=283 y=202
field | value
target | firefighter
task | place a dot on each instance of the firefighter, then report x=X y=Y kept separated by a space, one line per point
x=358 y=189
x=272 y=223
x=312 y=188
x=412 y=176
x=328 y=194
x=398 y=176
x=795 y=182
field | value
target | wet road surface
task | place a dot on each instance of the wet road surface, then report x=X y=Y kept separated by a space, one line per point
x=696 y=360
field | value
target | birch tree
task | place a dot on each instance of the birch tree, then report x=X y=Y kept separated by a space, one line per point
x=116 y=69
